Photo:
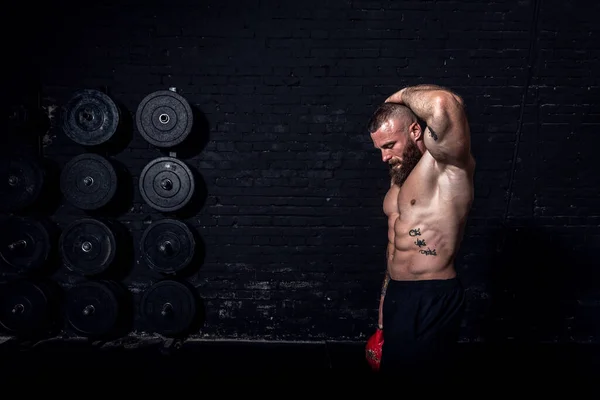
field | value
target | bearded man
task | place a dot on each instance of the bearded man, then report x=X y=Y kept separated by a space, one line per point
x=423 y=134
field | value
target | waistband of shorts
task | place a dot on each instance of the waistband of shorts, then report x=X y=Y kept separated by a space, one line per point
x=426 y=283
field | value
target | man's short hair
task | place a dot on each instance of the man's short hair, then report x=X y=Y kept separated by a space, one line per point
x=390 y=110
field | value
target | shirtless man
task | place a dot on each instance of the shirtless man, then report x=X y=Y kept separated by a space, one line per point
x=427 y=205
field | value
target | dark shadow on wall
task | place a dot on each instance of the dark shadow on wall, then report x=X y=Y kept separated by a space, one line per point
x=533 y=281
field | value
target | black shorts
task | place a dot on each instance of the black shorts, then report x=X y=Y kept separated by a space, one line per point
x=421 y=325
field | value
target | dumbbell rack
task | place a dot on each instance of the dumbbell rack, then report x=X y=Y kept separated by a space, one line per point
x=91 y=278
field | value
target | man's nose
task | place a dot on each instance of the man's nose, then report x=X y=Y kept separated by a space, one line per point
x=385 y=156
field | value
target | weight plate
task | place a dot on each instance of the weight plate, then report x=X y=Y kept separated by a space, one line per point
x=24 y=243
x=92 y=308
x=169 y=307
x=22 y=179
x=166 y=184
x=24 y=307
x=164 y=118
x=88 y=181
x=87 y=246
x=168 y=245
x=90 y=118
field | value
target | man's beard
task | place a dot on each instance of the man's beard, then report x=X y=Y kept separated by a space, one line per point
x=410 y=158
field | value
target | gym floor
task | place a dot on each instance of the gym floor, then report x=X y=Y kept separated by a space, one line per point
x=192 y=360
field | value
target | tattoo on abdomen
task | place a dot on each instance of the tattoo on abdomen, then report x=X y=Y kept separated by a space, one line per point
x=428 y=252
x=421 y=243
x=432 y=134
x=415 y=232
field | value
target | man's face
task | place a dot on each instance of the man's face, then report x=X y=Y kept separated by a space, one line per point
x=398 y=149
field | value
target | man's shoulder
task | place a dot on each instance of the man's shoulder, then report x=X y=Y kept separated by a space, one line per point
x=437 y=174
x=463 y=166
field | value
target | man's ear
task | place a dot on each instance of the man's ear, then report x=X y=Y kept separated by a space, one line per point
x=416 y=131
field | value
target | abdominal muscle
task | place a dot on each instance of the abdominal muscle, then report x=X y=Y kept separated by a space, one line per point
x=426 y=220
x=420 y=249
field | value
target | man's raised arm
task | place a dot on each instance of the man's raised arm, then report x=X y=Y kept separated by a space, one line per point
x=447 y=136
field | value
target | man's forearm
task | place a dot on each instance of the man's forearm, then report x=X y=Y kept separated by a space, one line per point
x=421 y=99
x=428 y=88
x=384 y=286
x=386 y=280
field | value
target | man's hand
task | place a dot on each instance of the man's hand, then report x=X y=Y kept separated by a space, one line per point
x=395 y=98
x=373 y=350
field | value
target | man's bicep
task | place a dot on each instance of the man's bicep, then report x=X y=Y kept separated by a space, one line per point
x=447 y=135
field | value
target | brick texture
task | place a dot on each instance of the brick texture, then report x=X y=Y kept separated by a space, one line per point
x=292 y=222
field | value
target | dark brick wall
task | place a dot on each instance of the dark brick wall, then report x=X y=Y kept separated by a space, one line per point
x=292 y=220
